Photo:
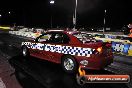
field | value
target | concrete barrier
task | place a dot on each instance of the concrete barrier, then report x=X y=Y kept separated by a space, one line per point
x=122 y=48
x=25 y=34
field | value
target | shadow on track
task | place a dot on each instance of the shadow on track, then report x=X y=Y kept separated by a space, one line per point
x=36 y=73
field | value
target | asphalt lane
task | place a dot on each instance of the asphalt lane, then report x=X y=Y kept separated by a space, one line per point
x=47 y=74
x=50 y=75
x=7 y=80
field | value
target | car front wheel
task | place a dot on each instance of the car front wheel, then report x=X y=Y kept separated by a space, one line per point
x=25 y=51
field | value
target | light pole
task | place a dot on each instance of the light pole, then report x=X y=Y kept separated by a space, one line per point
x=51 y=3
x=104 y=22
x=9 y=18
x=9 y=12
x=75 y=15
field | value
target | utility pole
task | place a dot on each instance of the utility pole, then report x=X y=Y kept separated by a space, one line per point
x=75 y=16
x=104 y=22
x=51 y=19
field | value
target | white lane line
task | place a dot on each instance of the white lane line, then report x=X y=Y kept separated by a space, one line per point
x=2 y=85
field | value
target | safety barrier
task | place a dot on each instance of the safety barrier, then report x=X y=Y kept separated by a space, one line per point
x=119 y=46
x=110 y=40
x=5 y=28
x=25 y=34
x=123 y=48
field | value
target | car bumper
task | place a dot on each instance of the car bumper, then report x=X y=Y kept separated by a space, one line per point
x=95 y=62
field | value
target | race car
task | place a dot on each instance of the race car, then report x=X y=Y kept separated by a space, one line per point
x=71 y=49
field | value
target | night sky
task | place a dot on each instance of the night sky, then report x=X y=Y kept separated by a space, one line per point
x=90 y=13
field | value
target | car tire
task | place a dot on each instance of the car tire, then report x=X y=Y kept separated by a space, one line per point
x=69 y=64
x=25 y=51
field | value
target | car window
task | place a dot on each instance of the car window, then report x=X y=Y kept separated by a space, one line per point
x=54 y=38
x=44 y=38
x=58 y=38
x=61 y=38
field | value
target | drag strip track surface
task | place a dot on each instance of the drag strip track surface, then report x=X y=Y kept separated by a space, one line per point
x=10 y=44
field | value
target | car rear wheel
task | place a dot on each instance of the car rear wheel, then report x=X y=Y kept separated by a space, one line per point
x=25 y=51
x=69 y=64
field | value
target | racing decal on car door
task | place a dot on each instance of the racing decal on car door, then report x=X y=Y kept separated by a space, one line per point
x=79 y=51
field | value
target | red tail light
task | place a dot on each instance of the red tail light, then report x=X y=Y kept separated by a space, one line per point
x=98 y=50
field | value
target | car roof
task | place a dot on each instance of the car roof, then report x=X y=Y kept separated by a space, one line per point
x=54 y=30
x=62 y=31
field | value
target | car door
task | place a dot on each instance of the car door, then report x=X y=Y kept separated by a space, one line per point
x=60 y=39
x=41 y=44
x=33 y=50
x=49 y=46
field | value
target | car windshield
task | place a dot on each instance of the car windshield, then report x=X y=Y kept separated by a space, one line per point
x=85 y=37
